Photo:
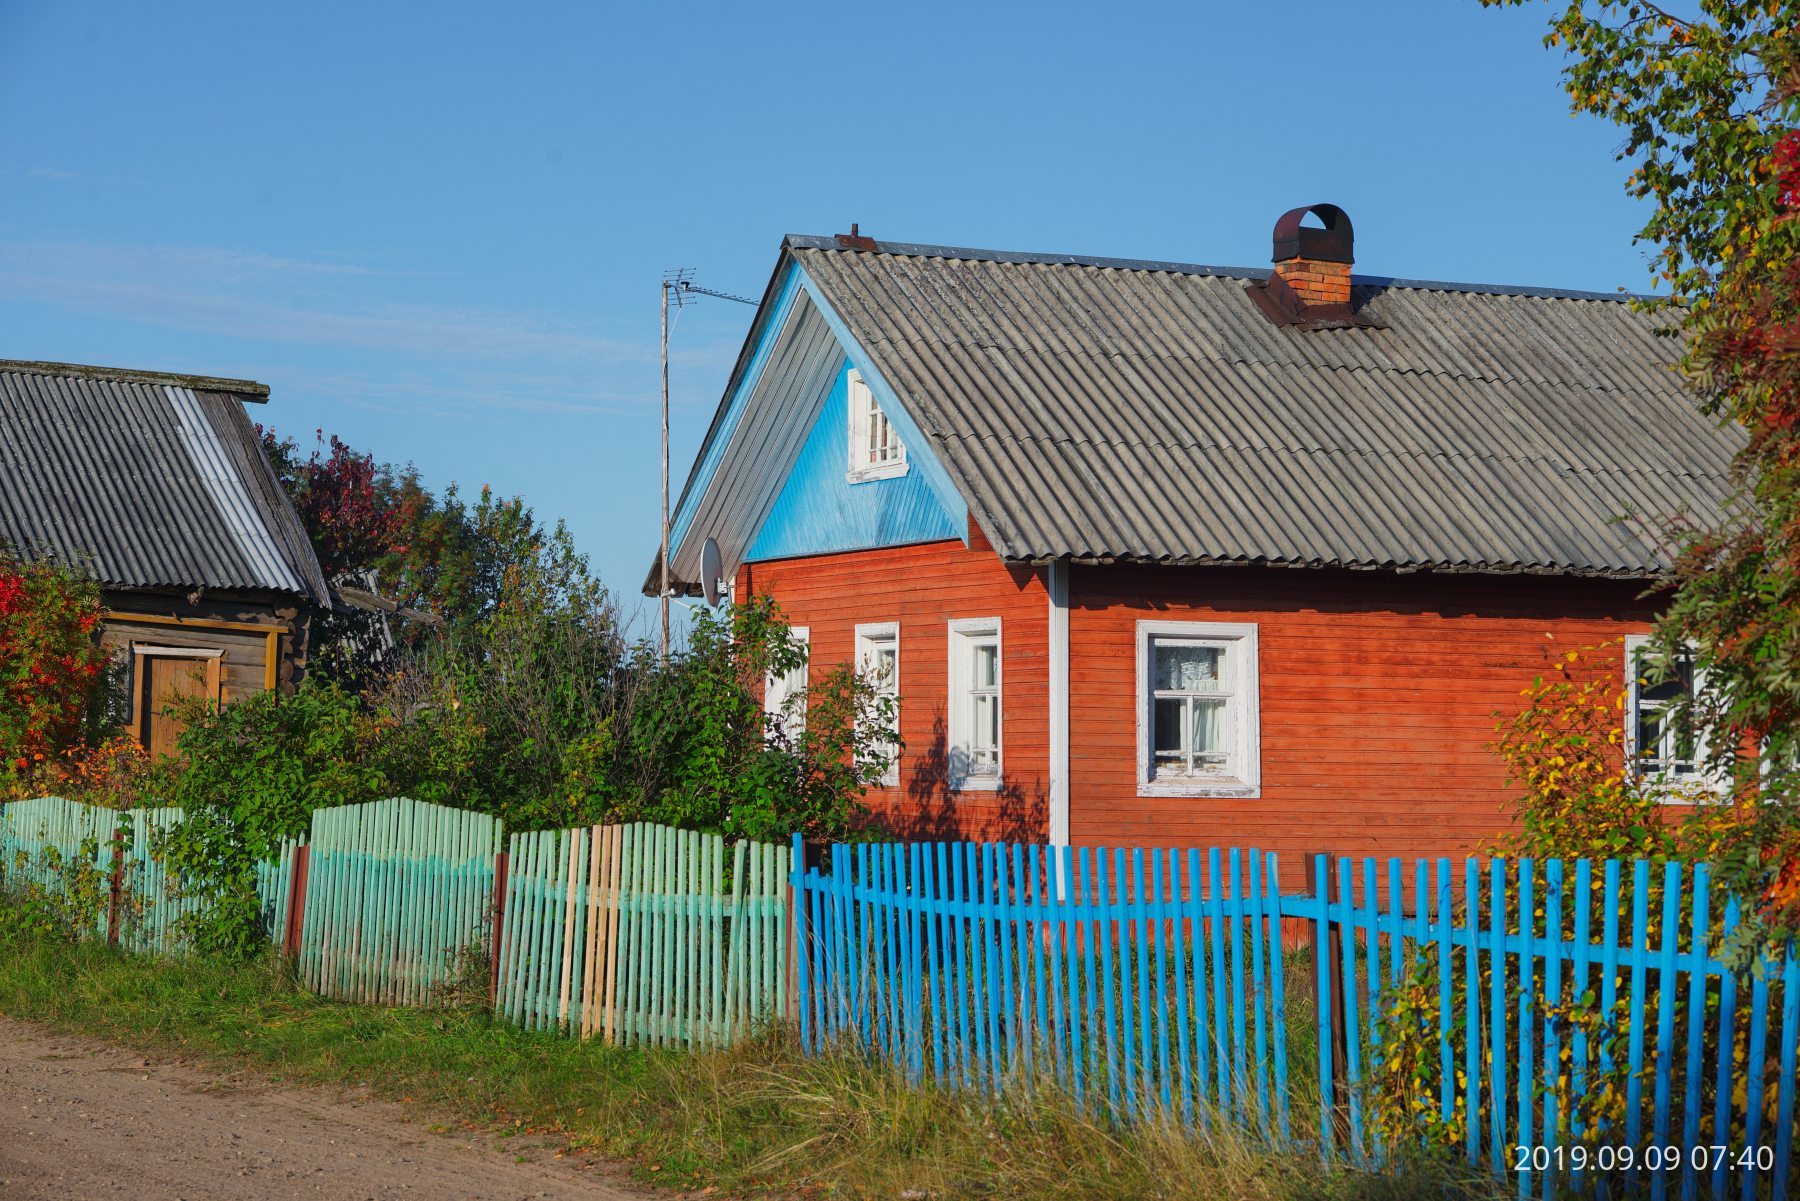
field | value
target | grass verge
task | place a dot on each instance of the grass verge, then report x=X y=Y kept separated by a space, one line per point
x=759 y=1120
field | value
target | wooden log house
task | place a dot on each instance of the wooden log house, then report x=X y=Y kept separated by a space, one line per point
x=157 y=484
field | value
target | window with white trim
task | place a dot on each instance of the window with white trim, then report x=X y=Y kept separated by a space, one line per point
x=878 y=657
x=974 y=674
x=784 y=695
x=875 y=449
x=1198 y=711
x=1660 y=740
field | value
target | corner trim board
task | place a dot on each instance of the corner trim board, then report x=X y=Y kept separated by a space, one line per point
x=1057 y=585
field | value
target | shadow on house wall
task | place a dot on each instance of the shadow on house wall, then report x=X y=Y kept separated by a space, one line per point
x=935 y=809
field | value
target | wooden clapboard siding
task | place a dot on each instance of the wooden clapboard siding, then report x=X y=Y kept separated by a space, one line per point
x=1378 y=690
x=264 y=641
x=923 y=587
x=1378 y=696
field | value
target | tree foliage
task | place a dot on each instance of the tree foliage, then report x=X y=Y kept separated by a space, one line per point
x=695 y=749
x=1707 y=99
x=49 y=663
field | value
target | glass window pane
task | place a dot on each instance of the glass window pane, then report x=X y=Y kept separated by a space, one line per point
x=1168 y=736
x=1187 y=668
x=987 y=659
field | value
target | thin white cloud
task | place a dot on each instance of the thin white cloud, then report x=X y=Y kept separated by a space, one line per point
x=277 y=299
x=398 y=355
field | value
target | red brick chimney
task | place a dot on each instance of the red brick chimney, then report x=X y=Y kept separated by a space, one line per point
x=1310 y=285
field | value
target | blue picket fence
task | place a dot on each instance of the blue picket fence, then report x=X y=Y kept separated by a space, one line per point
x=1568 y=1024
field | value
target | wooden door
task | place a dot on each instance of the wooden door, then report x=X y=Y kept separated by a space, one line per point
x=162 y=679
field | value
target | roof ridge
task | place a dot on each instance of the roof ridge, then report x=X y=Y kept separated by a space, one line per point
x=1171 y=267
x=201 y=383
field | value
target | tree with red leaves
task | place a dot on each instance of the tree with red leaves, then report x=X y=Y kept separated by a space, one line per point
x=49 y=662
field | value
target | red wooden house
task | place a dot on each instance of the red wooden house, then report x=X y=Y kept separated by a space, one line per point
x=1163 y=553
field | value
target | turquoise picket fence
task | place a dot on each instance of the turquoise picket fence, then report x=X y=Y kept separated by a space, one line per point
x=397 y=898
x=1150 y=983
x=643 y=934
x=38 y=835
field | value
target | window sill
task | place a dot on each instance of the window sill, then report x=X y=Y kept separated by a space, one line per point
x=869 y=475
x=1224 y=787
x=977 y=784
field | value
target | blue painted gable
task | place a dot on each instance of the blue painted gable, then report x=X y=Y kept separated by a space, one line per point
x=819 y=511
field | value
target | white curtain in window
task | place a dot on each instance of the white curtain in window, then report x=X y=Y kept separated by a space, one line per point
x=1208 y=727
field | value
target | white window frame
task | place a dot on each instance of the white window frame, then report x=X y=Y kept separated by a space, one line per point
x=778 y=690
x=1239 y=642
x=865 y=411
x=1700 y=778
x=965 y=634
x=869 y=636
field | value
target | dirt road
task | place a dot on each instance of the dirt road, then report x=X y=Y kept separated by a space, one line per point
x=80 y=1119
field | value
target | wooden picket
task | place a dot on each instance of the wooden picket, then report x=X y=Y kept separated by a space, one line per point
x=1138 y=982
x=398 y=892
x=1706 y=1055
x=635 y=934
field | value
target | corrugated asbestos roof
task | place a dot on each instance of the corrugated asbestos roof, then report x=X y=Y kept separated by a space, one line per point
x=154 y=481
x=1106 y=409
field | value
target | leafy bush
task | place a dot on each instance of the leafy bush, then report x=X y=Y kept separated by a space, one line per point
x=695 y=749
x=253 y=773
x=1578 y=797
x=111 y=771
x=53 y=895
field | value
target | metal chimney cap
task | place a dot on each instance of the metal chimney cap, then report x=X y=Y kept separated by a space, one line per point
x=1333 y=244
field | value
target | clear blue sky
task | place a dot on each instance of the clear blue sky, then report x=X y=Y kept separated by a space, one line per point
x=437 y=230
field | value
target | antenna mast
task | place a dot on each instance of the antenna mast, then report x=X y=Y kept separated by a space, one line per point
x=679 y=284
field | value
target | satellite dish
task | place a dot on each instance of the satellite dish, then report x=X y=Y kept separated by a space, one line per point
x=712 y=566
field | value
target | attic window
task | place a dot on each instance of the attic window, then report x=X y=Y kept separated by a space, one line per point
x=875 y=449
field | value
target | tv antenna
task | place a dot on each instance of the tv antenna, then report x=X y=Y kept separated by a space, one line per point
x=677 y=284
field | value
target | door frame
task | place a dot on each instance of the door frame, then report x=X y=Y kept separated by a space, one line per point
x=214 y=682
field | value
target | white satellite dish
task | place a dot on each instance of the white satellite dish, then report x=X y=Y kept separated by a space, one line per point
x=712 y=566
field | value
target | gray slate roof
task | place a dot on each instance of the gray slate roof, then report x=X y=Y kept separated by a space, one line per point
x=1108 y=409
x=156 y=480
